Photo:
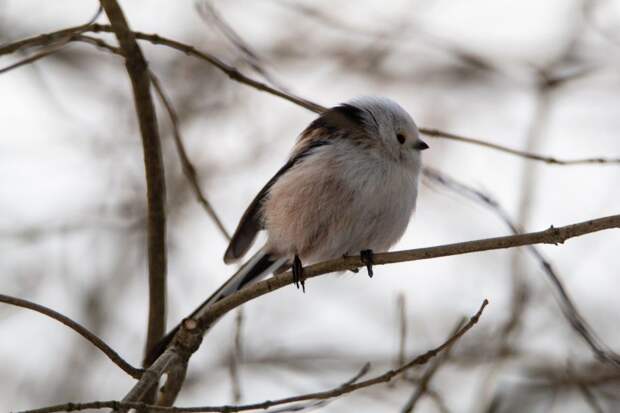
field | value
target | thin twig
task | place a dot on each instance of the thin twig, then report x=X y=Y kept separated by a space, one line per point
x=234 y=74
x=401 y=304
x=156 y=190
x=590 y=398
x=46 y=39
x=348 y=387
x=188 y=168
x=423 y=383
x=30 y=59
x=524 y=154
x=134 y=372
x=235 y=357
x=316 y=404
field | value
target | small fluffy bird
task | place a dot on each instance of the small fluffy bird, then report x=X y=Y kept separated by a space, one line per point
x=349 y=187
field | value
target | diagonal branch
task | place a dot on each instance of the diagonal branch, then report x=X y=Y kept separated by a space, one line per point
x=134 y=372
x=204 y=317
x=422 y=386
x=348 y=387
x=188 y=168
x=155 y=181
x=31 y=59
x=552 y=235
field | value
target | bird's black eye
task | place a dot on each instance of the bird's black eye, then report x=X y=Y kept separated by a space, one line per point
x=401 y=138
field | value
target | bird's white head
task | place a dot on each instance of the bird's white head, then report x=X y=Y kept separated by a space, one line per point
x=387 y=120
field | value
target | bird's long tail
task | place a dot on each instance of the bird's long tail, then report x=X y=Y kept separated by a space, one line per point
x=256 y=268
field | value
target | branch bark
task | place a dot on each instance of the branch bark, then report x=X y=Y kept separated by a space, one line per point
x=551 y=235
x=138 y=72
x=134 y=372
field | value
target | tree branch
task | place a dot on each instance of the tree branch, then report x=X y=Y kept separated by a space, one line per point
x=188 y=168
x=566 y=303
x=204 y=317
x=234 y=74
x=134 y=372
x=348 y=387
x=552 y=235
x=422 y=386
x=156 y=190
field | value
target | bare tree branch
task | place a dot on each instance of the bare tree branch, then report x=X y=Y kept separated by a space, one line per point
x=204 y=317
x=134 y=372
x=156 y=189
x=552 y=235
x=567 y=305
x=188 y=168
x=351 y=386
x=31 y=59
x=234 y=74
x=235 y=356
x=423 y=383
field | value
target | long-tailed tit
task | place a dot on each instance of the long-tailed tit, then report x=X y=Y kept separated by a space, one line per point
x=349 y=187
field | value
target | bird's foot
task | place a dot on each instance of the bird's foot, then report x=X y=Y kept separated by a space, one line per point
x=298 y=274
x=366 y=257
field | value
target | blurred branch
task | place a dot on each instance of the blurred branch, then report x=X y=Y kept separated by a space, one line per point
x=590 y=399
x=348 y=387
x=229 y=70
x=211 y=16
x=524 y=154
x=30 y=59
x=234 y=74
x=188 y=168
x=568 y=307
x=44 y=39
x=401 y=304
x=235 y=357
x=134 y=372
x=423 y=383
x=156 y=190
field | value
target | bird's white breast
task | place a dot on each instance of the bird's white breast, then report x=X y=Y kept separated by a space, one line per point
x=338 y=201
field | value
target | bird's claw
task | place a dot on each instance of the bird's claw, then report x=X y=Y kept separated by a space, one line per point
x=298 y=274
x=366 y=257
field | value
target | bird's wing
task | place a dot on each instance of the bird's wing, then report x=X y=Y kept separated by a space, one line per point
x=251 y=221
x=319 y=133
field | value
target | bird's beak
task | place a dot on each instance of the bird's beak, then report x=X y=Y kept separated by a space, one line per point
x=420 y=146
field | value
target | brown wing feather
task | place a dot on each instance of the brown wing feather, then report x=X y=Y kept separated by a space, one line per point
x=249 y=225
x=344 y=117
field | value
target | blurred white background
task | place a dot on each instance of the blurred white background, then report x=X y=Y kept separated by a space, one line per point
x=72 y=197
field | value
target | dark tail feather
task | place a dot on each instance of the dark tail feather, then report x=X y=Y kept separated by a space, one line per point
x=257 y=267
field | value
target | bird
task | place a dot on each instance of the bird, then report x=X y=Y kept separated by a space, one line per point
x=348 y=187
